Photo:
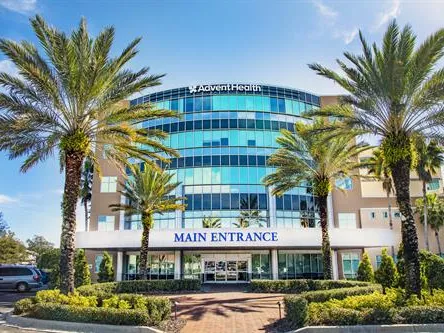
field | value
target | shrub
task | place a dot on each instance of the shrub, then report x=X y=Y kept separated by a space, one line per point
x=104 y=290
x=24 y=305
x=432 y=267
x=296 y=310
x=82 y=276
x=332 y=316
x=300 y=285
x=421 y=314
x=326 y=295
x=115 y=303
x=106 y=271
x=51 y=311
x=75 y=299
x=386 y=274
x=365 y=269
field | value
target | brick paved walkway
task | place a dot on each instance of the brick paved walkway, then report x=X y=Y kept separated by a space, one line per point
x=227 y=309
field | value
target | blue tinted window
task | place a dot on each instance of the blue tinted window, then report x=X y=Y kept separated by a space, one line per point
x=251 y=143
x=206 y=201
x=235 y=201
x=273 y=104
x=262 y=201
x=287 y=202
x=279 y=203
x=198 y=104
x=189 y=104
x=225 y=201
x=207 y=103
x=175 y=105
x=281 y=105
x=198 y=201
x=215 y=201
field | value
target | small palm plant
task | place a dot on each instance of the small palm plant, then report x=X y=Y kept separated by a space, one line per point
x=394 y=92
x=304 y=157
x=429 y=160
x=211 y=222
x=86 y=182
x=147 y=193
x=69 y=101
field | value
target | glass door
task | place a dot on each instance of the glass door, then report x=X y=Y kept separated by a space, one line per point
x=221 y=271
x=242 y=270
x=209 y=271
x=231 y=271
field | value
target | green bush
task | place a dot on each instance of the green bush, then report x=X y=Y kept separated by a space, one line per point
x=55 y=296
x=365 y=269
x=157 y=307
x=296 y=310
x=300 y=285
x=102 y=290
x=24 y=305
x=333 y=317
x=82 y=275
x=386 y=274
x=115 y=302
x=106 y=271
x=421 y=314
x=51 y=311
x=432 y=267
x=326 y=295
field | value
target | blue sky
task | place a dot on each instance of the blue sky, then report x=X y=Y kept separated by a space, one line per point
x=199 y=42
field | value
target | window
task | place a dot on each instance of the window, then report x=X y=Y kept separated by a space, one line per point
x=347 y=220
x=378 y=261
x=372 y=215
x=97 y=262
x=108 y=185
x=260 y=266
x=385 y=215
x=106 y=223
x=397 y=215
x=350 y=263
x=344 y=183
x=433 y=185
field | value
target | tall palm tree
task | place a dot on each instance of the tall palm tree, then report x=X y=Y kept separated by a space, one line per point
x=86 y=187
x=429 y=160
x=395 y=93
x=68 y=101
x=435 y=208
x=147 y=193
x=379 y=169
x=305 y=157
x=211 y=222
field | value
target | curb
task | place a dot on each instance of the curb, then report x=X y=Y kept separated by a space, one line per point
x=401 y=328
x=53 y=325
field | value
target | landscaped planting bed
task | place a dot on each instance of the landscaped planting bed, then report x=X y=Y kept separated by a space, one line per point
x=360 y=306
x=121 y=309
x=301 y=285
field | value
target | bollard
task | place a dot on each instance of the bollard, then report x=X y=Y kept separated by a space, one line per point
x=175 y=309
x=280 y=314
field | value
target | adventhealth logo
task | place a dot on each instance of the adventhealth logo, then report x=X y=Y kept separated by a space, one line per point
x=224 y=87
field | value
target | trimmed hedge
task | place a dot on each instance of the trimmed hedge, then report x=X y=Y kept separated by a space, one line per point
x=24 y=305
x=326 y=295
x=421 y=314
x=301 y=285
x=139 y=286
x=52 y=311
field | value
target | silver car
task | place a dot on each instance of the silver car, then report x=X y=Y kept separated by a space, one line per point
x=22 y=278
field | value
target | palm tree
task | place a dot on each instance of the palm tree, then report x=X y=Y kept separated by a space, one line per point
x=86 y=187
x=435 y=207
x=68 y=101
x=395 y=94
x=305 y=157
x=379 y=169
x=211 y=222
x=429 y=160
x=147 y=193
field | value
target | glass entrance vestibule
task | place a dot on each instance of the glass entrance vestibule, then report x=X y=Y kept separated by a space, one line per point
x=227 y=267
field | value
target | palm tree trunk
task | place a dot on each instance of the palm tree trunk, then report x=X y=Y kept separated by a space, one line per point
x=146 y=224
x=438 y=242
x=426 y=231
x=73 y=167
x=401 y=179
x=326 y=250
x=85 y=206
x=390 y=220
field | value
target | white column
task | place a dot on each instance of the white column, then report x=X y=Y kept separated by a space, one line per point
x=334 y=263
x=271 y=209
x=177 y=265
x=122 y=215
x=274 y=264
x=330 y=212
x=119 y=271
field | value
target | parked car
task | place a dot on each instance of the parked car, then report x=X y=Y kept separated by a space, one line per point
x=20 y=277
x=44 y=277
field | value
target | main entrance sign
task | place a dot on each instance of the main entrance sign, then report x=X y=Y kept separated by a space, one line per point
x=225 y=237
x=224 y=87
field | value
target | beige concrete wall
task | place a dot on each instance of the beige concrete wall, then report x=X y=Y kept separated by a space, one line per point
x=91 y=258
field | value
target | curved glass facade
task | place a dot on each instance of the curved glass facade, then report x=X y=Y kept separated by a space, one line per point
x=224 y=139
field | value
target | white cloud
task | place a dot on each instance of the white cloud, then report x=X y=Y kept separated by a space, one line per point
x=8 y=67
x=325 y=10
x=347 y=35
x=4 y=199
x=19 y=6
x=391 y=12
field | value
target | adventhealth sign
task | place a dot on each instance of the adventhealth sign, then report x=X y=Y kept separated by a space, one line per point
x=224 y=87
x=225 y=237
